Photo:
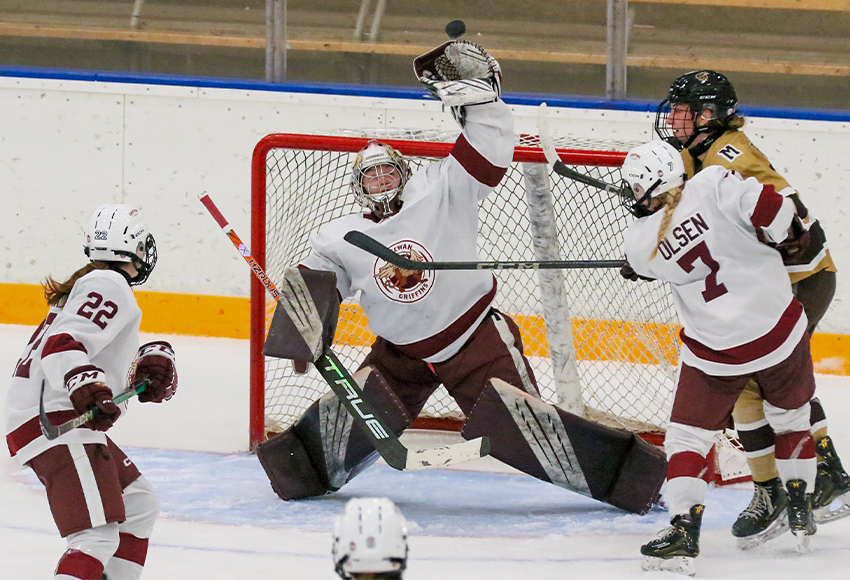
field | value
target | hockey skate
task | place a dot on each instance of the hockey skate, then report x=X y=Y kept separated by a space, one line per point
x=765 y=518
x=831 y=497
x=676 y=547
x=800 y=517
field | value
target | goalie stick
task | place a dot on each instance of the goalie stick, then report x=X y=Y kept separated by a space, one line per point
x=559 y=166
x=51 y=431
x=376 y=248
x=346 y=388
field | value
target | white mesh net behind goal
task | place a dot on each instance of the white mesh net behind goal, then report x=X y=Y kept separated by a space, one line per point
x=595 y=341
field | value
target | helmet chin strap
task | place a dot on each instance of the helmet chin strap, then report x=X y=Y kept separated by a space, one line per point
x=711 y=136
x=642 y=205
x=116 y=267
x=711 y=132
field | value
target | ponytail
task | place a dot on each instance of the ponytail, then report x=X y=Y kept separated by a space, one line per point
x=670 y=200
x=56 y=293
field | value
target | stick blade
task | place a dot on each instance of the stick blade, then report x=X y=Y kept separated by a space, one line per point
x=545 y=138
x=448 y=455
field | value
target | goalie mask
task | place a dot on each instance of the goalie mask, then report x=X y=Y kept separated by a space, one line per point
x=697 y=92
x=370 y=536
x=117 y=233
x=378 y=178
x=649 y=171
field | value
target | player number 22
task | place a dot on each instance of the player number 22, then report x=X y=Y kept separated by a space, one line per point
x=700 y=252
x=93 y=311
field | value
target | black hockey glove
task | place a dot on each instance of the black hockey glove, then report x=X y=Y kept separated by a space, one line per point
x=628 y=273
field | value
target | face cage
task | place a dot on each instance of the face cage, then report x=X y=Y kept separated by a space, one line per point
x=380 y=201
x=637 y=207
x=665 y=130
x=144 y=267
x=715 y=126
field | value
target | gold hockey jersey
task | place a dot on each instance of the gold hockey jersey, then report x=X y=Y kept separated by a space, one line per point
x=734 y=150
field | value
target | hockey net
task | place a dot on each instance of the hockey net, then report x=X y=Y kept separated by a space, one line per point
x=599 y=346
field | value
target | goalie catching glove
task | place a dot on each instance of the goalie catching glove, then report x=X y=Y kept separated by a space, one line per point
x=460 y=73
x=87 y=388
x=155 y=362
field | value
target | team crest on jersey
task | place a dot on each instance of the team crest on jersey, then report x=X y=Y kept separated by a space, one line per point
x=402 y=285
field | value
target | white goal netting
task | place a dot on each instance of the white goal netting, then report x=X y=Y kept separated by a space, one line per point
x=599 y=344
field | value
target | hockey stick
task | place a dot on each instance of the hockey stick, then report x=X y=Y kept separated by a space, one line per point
x=343 y=384
x=51 y=431
x=559 y=166
x=376 y=248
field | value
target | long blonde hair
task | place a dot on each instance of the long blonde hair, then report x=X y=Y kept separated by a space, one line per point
x=56 y=293
x=669 y=199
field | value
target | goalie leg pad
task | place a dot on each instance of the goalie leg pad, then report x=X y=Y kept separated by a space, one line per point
x=611 y=465
x=313 y=297
x=288 y=467
x=324 y=450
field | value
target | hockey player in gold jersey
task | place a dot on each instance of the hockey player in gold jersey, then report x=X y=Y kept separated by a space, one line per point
x=700 y=118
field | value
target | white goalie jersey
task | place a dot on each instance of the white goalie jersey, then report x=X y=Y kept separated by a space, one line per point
x=731 y=291
x=428 y=313
x=99 y=326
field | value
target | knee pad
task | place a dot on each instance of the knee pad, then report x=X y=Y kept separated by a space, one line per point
x=324 y=449
x=141 y=507
x=608 y=464
x=99 y=542
x=785 y=420
x=682 y=438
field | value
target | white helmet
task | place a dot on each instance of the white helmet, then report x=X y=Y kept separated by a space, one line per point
x=653 y=168
x=118 y=233
x=370 y=536
x=373 y=155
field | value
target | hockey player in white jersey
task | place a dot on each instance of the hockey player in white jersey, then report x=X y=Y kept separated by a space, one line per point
x=440 y=327
x=86 y=349
x=713 y=238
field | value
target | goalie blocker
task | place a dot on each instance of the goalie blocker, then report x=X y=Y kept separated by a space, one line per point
x=297 y=340
x=612 y=465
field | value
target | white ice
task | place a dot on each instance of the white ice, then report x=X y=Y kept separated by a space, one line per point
x=221 y=519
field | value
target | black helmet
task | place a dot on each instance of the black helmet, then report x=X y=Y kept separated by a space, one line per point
x=700 y=90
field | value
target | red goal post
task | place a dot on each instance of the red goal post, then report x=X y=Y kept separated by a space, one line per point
x=599 y=346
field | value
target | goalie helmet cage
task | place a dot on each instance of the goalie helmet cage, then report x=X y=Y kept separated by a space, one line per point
x=600 y=347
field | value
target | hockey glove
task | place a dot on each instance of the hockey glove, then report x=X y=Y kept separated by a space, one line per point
x=87 y=389
x=155 y=361
x=628 y=273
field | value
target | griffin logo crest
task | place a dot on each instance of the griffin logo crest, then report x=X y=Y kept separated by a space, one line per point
x=403 y=285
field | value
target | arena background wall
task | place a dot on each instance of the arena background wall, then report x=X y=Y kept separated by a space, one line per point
x=70 y=143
